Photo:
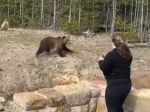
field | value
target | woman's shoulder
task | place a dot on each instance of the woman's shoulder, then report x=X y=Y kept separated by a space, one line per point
x=112 y=53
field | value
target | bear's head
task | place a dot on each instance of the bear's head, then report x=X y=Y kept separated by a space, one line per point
x=66 y=40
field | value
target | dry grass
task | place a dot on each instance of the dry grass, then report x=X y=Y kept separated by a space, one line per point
x=20 y=73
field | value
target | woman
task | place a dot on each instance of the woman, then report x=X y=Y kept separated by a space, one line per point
x=116 y=69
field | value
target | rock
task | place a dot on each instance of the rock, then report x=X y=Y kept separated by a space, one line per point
x=101 y=84
x=65 y=80
x=95 y=91
x=89 y=73
x=141 y=80
x=83 y=108
x=73 y=78
x=16 y=108
x=1 y=107
x=102 y=89
x=2 y=100
x=138 y=101
x=70 y=71
x=48 y=109
x=101 y=107
x=54 y=98
x=1 y=69
x=64 y=108
x=29 y=100
x=84 y=73
x=76 y=94
x=93 y=104
x=69 y=62
x=98 y=85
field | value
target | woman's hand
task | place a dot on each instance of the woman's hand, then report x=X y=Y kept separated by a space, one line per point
x=101 y=58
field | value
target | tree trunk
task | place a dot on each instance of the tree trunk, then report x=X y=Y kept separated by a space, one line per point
x=70 y=12
x=141 y=32
x=93 y=22
x=147 y=14
x=8 y=9
x=125 y=13
x=32 y=9
x=132 y=14
x=107 y=18
x=22 y=14
x=42 y=15
x=14 y=7
x=54 y=19
x=20 y=9
x=135 y=15
x=114 y=17
x=79 y=20
x=74 y=14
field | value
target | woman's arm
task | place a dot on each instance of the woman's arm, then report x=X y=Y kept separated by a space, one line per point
x=107 y=64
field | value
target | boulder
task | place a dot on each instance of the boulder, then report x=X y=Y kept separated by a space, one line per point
x=95 y=91
x=54 y=98
x=101 y=106
x=76 y=94
x=16 y=108
x=83 y=108
x=48 y=109
x=138 y=101
x=1 y=107
x=101 y=84
x=2 y=100
x=29 y=101
x=64 y=108
x=93 y=104
x=65 y=80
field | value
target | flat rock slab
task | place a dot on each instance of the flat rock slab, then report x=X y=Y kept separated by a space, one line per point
x=29 y=101
x=76 y=94
x=83 y=108
x=54 y=98
x=48 y=109
x=138 y=101
x=95 y=91
x=93 y=105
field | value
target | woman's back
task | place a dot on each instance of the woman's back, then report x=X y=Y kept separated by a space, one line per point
x=120 y=67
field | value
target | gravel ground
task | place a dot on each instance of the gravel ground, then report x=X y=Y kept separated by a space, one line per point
x=19 y=72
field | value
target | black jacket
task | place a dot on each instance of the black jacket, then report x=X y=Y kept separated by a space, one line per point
x=114 y=66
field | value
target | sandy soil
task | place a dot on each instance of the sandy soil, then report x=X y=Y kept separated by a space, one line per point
x=19 y=72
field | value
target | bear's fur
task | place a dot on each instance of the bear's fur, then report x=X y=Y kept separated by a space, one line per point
x=56 y=44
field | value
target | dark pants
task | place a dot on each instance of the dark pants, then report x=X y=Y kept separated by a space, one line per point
x=116 y=93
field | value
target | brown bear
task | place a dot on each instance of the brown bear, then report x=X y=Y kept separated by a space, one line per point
x=57 y=44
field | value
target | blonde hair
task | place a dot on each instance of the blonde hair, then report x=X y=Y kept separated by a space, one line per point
x=124 y=51
x=122 y=48
x=116 y=39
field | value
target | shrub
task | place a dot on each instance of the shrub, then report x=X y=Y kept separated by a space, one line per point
x=32 y=23
x=14 y=21
x=72 y=27
x=127 y=32
x=130 y=37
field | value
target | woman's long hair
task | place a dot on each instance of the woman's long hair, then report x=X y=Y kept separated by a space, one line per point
x=124 y=51
x=122 y=48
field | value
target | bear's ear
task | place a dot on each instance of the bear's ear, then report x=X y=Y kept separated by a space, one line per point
x=64 y=37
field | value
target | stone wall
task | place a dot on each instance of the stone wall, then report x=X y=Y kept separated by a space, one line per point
x=77 y=97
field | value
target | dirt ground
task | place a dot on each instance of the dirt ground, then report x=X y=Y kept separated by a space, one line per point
x=19 y=72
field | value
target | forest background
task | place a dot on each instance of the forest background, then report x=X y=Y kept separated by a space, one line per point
x=131 y=17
